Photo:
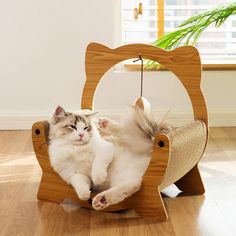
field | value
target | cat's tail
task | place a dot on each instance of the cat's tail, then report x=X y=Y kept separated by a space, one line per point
x=149 y=125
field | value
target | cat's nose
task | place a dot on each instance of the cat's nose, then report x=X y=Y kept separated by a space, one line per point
x=81 y=135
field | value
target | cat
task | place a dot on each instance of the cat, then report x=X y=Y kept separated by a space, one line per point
x=77 y=152
x=133 y=143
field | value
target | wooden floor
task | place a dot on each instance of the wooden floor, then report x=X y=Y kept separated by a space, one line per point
x=212 y=214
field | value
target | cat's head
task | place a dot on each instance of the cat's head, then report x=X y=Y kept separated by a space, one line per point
x=75 y=128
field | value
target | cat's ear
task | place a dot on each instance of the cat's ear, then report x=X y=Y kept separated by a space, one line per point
x=59 y=114
x=91 y=115
x=59 y=111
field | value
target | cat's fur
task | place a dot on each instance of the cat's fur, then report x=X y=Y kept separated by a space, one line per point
x=77 y=152
x=133 y=143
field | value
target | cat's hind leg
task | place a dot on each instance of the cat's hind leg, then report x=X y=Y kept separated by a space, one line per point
x=116 y=194
x=109 y=126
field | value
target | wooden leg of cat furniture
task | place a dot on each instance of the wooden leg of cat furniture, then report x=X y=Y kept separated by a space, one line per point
x=148 y=202
x=150 y=205
x=191 y=183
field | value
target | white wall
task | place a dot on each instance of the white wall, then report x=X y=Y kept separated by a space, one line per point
x=42 y=47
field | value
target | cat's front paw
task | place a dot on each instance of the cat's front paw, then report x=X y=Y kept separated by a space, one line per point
x=83 y=194
x=99 y=177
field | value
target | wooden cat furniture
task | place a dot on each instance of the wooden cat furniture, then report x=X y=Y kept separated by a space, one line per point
x=175 y=157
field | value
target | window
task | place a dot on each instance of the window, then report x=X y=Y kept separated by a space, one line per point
x=216 y=45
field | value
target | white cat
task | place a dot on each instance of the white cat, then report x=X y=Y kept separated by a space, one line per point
x=133 y=143
x=76 y=150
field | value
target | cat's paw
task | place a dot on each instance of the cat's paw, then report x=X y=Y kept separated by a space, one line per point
x=83 y=194
x=103 y=123
x=108 y=198
x=99 y=177
x=100 y=202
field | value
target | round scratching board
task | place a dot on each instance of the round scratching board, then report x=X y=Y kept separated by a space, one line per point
x=174 y=157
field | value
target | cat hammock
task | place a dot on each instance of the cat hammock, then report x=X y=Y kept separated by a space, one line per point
x=174 y=158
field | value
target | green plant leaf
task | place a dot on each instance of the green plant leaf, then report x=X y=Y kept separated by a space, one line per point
x=193 y=27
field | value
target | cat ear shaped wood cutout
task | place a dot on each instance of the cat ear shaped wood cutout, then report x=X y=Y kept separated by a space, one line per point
x=184 y=62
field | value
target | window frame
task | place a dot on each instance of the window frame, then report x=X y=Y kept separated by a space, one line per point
x=160 y=33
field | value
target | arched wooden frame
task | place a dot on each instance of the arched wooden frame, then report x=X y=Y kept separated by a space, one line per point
x=184 y=62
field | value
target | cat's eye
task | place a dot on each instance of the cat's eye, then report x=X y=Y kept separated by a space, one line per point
x=87 y=128
x=72 y=127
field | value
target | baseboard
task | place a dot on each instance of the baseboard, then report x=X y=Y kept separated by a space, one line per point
x=217 y=118
x=19 y=122
x=222 y=118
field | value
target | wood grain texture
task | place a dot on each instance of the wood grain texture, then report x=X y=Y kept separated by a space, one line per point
x=148 y=201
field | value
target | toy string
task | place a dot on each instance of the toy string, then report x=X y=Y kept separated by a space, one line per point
x=141 y=59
